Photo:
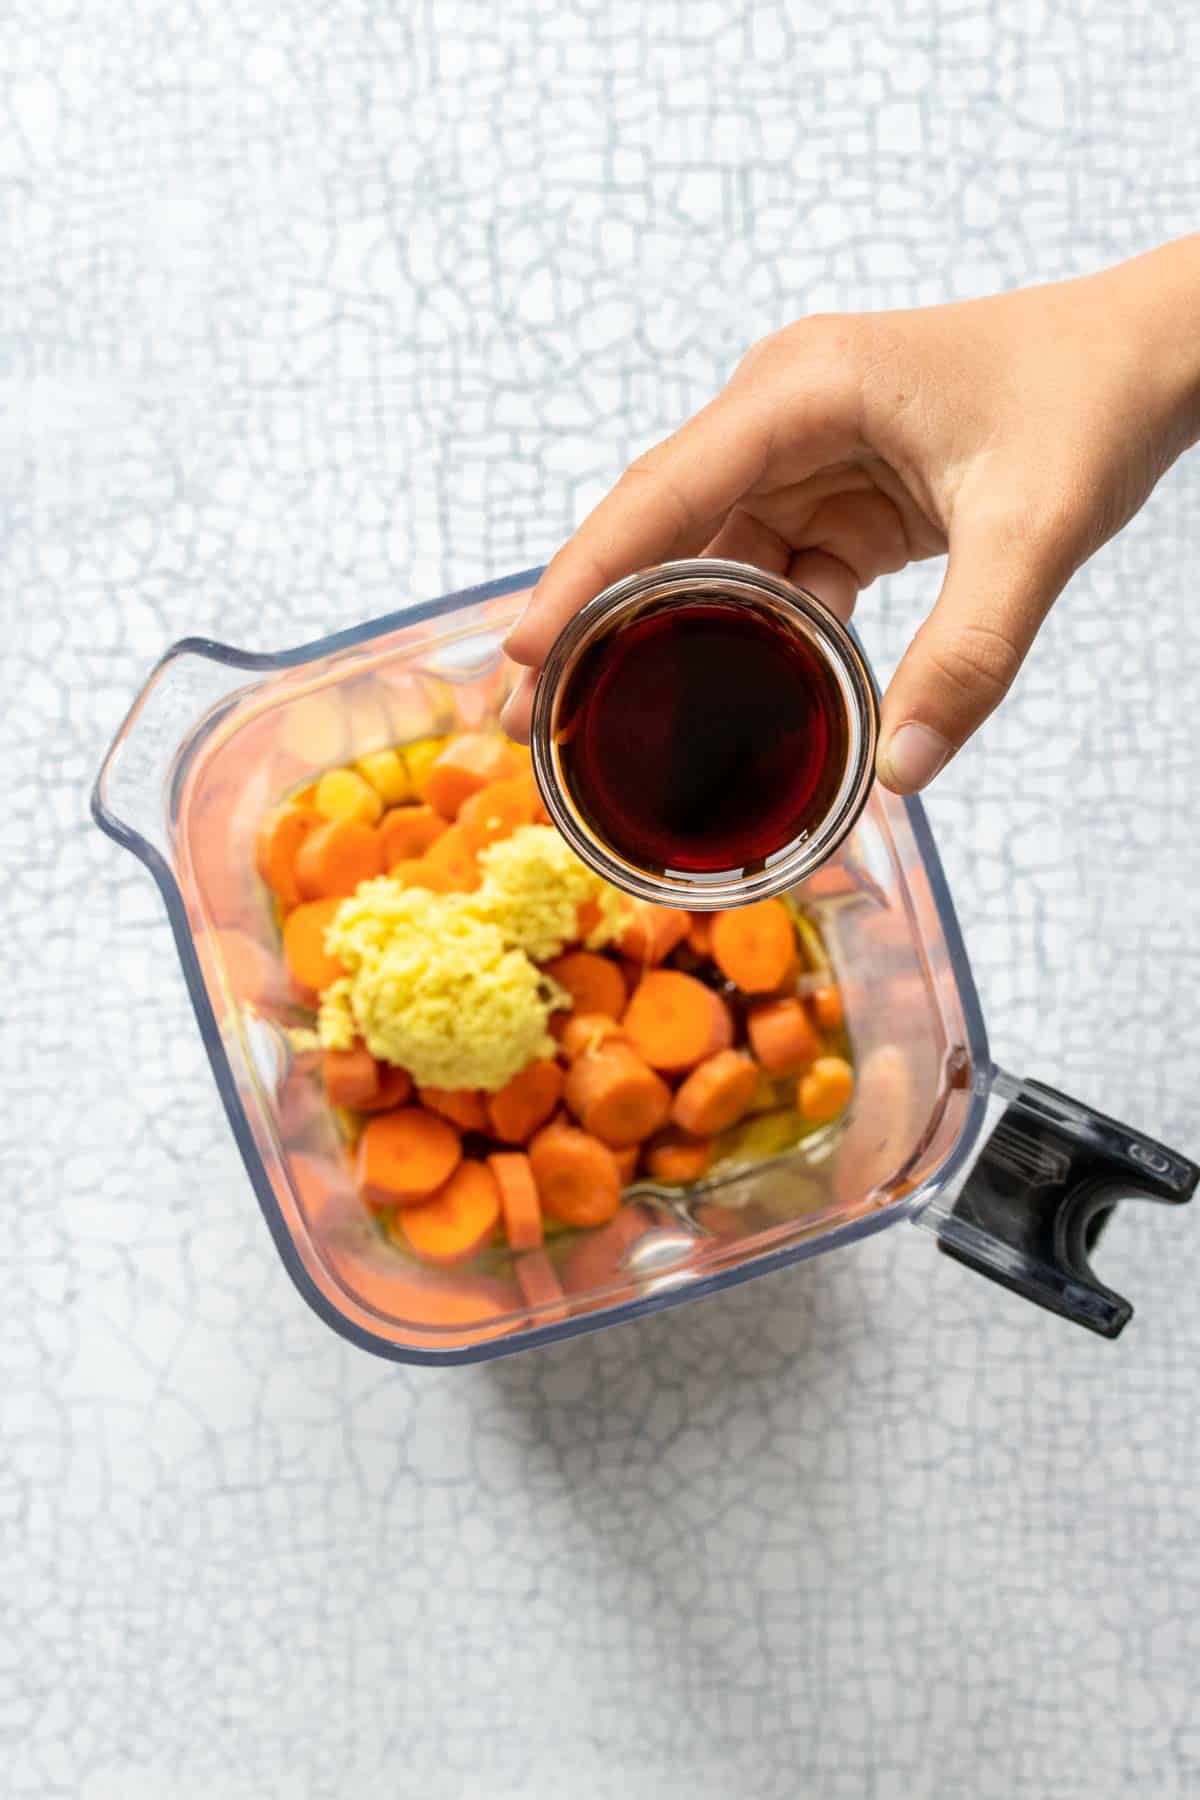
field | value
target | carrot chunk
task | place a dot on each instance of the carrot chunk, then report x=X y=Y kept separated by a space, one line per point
x=627 y=1162
x=496 y=811
x=335 y=857
x=827 y=1004
x=782 y=1037
x=519 y=1203
x=826 y=1089
x=716 y=1094
x=459 y=1219
x=452 y=855
x=674 y=1021
x=699 y=933
x=466 y=764
x=615 y=1096
x=408 y=831
x=595 y=984
x=395 y=1087
x=276 y=843
x=578 y=1181
x=540 y=1287
x=585 y=1031
x=755 y=946
x=462 y=1106
x=529 y=1099
x=652 y=932
x=350 y=1076
x=678 y=1159
x=420 y=873
x=405 y=1156
x=309 y=963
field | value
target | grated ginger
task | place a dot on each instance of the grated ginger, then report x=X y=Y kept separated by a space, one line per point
x=533 y=887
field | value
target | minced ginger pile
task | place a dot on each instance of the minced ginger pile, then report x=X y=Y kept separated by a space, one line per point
x=447 y=985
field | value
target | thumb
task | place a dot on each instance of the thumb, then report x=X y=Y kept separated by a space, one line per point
x=963 y=660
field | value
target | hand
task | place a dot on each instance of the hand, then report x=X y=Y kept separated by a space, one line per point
x=1016 y=433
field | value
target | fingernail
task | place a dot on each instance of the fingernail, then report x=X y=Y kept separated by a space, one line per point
x=912 y=757
x=514 y=630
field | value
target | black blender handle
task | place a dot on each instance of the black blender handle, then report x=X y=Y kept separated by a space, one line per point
x=1041 y=1193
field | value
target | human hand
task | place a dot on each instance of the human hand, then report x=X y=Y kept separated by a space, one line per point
x=1016 y=433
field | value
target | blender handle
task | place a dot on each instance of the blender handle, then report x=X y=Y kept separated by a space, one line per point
x=1039 y=1196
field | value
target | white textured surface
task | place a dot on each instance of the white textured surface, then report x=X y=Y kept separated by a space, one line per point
x=307 y=309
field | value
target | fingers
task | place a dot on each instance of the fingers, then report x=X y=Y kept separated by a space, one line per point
x=518 y=708
x=966 y=655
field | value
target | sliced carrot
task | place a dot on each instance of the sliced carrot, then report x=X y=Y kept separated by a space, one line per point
x=407 y=832
x=540 y=1287
x=335 y=857
x=452 y=855
x=350 y=1076
x=496 y=811
x=459 y=1220
x=465 y=765
x=825 y=1090
x=755 y=946
x=674 y=1021
x=699 y=933
x=716 y=1094
x=345 y=794
x=395 y=1087
x=417 y=872
x=529 y=1099
x=405 y=1156
x=309 y=963
x=827 y=1004
x=615 y=1096
x=578 y=1181
x=676 y=1158
x=782 y=1037
x=519 y=1203
x=251 y=970
x=462 y=1106
x=595 y=984
x=278 y=839
x=627 y=1162
x=588 y=917
x=597 y=1259
x=652 y=932
x=586 y=1031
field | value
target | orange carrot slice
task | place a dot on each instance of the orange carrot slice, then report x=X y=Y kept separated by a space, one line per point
x=676 y=1159
x=615 y=1096
x=529 y=1099
x=335 y=857
x=452 y=855
x=652 y=932
x=825 y=1090
x=627 y=1162
x=755 y=946
x=598 y=1259
x=577 y=1178
x=674 y=1021
x=588 y=916
x=351 y=1076
x=467 y=764
x=462 y=1106
x=716 y=1094
x=782 y=1037
x=595 y=984
x=416 y=872
x=407 y=832
x=309 y=963
x=827 y=1004
x=540 y=1287
x=585 y=1031
x=405 y=1156
x=395 y=1087
x=278 y=839
x=519 y=1203
x=496 y=811
x=458 y=1221
x=699 y=933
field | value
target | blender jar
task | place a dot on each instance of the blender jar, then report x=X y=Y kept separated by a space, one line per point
x=1009 y=1177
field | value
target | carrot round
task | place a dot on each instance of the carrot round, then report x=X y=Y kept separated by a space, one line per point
x=595 y=984
x=782 y=1037
x=529 y=1099
x=335 y=857
x=827 y=1004
x=627 y=1162
x=395 y=1087
x=276 y=843
x=345 y=794
x=407 y=832
x=309 y=963
x=674 y=1021
x=496 y=811
x=405 y=1156
x=462 y=1106
x=677 y=1159
x=519 y=1203
x=350 y=1076
x=453 y=856
x=755 y=946
x=716 y=1094
x=577 y=1178
x=586 y=1031
x=416 y=872
x=540 y=1287
x=588 y=916
x=652 y=932
x=825 y=1090
x=699 y=933
x=465 y=765
x=459 y=1220
x=615 y=1096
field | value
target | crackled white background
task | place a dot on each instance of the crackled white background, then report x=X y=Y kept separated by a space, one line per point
x=307 y=310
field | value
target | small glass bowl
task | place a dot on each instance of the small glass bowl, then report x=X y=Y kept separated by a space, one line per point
x=682 y=584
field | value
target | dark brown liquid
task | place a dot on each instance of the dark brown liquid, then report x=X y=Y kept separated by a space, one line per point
x=703 y=737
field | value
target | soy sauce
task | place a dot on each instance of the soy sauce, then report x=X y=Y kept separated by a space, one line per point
x=702 y=737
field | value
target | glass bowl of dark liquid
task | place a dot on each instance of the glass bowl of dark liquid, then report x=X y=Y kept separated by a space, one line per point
x=704 y=734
